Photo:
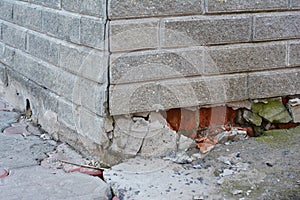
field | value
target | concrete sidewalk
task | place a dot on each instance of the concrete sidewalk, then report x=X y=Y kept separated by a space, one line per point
x=22 y=177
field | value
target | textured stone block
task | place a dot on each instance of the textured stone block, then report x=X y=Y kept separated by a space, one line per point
x=28 y=16
x=85 y=62
x=294 y=54
x=137 y=8
x=295 y=4
x=43 y=47
x=249 y=57
x=134 y=34
x=88 y=7
x=6 y=10
x=92 y=32
x=14 y=36
x=6 y=54
x=133 y=98
x=156 y=65
x=193 y=31
x=215 y=6
x=49 y=3
x=277 y=26
x=79 y=90
x=273 y=84
x=63 y=26
x=3 y=75
x=169 y=94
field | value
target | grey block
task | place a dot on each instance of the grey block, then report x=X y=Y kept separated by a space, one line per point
x=74 y=88
x=14 y=36
x=248 y=57
x=85 y=62
x=6 y=54
x=274 y=83
x=156 y=65
x=43 y=47
x=133 y=35
x=188 y=92
x=294 y=54
x=133 y=98
x=88 y=7
x=28 y=16
x=214 y=6
x=48 y=3
x=277 y=26
x=295 y=4
x=6 y=10
x=3 y=75
x=92 y=32
x=63 y=26
x=136 y=8
x=192 y=31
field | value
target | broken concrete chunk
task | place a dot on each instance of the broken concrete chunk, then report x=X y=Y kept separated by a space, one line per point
x=253 y=118
x=272 y=110
x=294 y=108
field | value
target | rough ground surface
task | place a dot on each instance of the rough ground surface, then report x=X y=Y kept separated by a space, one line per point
x=22 y=148
x=267 y=167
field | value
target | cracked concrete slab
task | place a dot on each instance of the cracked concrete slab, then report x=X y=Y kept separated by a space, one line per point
x=41 y=183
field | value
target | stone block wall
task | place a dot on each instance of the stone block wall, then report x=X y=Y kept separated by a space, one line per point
x=86 y=65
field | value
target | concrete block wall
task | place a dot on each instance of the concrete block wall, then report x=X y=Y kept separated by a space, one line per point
x=53 y=53
x=82 y=64
x=175 y=54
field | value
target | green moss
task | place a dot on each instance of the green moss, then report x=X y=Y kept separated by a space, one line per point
x=279 y=137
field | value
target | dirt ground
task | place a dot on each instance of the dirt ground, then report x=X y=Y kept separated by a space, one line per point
x=266 y=167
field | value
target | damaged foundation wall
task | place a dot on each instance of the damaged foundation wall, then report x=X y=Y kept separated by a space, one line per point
x=54 y=67
x=106 y=75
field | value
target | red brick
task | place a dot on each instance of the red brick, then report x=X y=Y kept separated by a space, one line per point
x=174 y=118
x=189 y=120
x=205 y=116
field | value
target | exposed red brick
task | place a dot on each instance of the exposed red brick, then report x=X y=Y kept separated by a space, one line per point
x=174 y=118
x=3 y=173
x=288 y=125
x=205 y=117
x=230 y=116
x=189 y=120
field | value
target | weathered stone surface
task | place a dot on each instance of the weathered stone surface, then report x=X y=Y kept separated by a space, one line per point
x=214 y=6
x=239 y=58
x=43 y=47
x=294 y=54
x=39 y=183
x=272 y=110
x=6 y=10
x=92 y=32
x=156 y=65
x=22 y=153
x=88 y=7
x=28 y=16
x=50 y=3
x=131 y=35
x=252 y=117
x=279 y=26
x=193 y=31
x=64 y=26
x=14 y=36
x=295 y=4
x=272 y=84
x=176 y=93
x=136 y=8
x=85 y=62
x=6 y=54
x=294 y=108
